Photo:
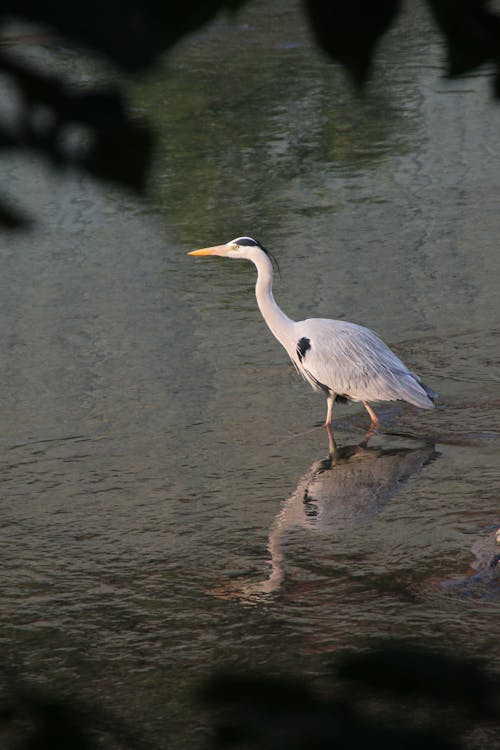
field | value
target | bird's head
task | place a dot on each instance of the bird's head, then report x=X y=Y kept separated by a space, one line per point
x=241 y=247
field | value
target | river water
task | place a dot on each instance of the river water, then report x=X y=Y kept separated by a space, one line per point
x=166 y=506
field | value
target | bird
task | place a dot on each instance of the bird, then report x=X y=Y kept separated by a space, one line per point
x=345 y=361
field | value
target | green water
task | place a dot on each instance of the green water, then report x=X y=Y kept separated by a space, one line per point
x=157 y=446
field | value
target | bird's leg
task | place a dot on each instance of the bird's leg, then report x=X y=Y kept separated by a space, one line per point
x=330 y=399
x=372 y=414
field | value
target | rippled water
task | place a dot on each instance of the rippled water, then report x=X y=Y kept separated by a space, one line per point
x=167 y=501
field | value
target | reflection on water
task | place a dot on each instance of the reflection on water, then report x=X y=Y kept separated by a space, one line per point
x=338 y=493
x=484 y=580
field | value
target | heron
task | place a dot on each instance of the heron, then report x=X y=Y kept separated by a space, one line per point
x=346 y=361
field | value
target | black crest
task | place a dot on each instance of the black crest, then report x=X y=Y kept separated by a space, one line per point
x=250 y=242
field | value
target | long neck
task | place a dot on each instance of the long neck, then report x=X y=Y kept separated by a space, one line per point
x=275 y=318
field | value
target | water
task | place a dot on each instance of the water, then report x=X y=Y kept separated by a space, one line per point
x=157 y=446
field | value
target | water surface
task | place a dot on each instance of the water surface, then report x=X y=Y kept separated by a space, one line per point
x=166 y=506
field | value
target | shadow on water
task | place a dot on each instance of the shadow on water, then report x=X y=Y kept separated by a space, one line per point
x=343 y=491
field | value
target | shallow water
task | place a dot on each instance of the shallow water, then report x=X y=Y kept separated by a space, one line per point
x=167 y=502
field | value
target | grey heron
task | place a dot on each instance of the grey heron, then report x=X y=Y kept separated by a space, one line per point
x=346 y=361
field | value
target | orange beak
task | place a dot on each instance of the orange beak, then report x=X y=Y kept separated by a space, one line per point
x=215 y=250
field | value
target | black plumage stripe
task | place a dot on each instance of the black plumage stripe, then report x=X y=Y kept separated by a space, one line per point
x=303 y=345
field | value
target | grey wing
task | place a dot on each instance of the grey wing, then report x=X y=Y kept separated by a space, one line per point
x=352 y=361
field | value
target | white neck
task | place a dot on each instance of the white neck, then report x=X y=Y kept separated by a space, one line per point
x=278 y=322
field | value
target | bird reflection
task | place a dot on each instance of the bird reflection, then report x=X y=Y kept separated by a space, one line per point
x=484 y=579
x=340 y=492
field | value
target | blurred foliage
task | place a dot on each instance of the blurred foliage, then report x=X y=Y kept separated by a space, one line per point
x=132 y=36
x=35 y=718
x=393 y=696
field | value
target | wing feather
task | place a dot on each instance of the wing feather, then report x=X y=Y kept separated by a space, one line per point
x=353 y=361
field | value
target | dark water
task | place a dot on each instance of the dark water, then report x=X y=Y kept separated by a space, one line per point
x=167 y=505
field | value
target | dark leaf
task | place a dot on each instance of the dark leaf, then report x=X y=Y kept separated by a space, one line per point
x=472 y=33
x=119 y=147
x=121 y=153
x=131 y=33
x=12 y=219
x=58 y=727
x=349 y=31
x=265 y=712
x=257 y=690
x=438 y=676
